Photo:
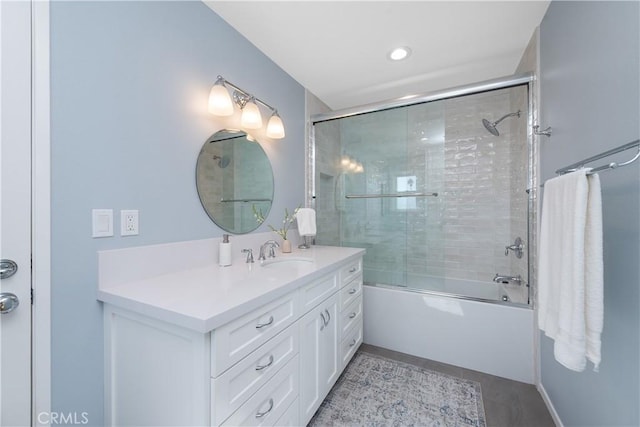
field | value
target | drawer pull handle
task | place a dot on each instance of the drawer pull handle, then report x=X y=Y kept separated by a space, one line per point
x=261 y=367
x=352 y=315
x=262 y=325
x=262 y=414
x=353 y=269
x=328 y=316
x=353 y=342
x=352 y=291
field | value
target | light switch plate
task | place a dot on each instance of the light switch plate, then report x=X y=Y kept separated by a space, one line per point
x=102 y=222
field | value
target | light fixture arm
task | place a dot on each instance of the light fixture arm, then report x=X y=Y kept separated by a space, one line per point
x=221 y=103
x=241 y=97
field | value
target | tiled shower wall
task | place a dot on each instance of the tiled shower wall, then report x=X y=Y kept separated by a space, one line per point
x=481 y=181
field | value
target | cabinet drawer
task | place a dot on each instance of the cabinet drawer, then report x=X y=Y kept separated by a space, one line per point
x=351 y=270
x=291 y=418
x=233 y=341
x=316 y=292
x=231 y=389
x=351 y=292
x=271 y=401
x=350 y=344
x=350 y=316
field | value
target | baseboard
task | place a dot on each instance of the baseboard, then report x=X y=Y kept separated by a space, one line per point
x=550 y=407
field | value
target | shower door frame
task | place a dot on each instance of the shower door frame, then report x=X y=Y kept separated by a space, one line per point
x=527 y=79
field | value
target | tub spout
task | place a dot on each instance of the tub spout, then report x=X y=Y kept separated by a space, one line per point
x=499 y=278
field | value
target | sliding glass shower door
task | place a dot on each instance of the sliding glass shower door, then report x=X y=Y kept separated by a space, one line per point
x=432 y=195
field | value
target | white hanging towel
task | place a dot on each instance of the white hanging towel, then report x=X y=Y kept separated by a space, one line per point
x=570 y=276
x=306 y=218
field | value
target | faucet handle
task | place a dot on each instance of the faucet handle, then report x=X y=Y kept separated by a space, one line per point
x=249 y=253
x=271 y=244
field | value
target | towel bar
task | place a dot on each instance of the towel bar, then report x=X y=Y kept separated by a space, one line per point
x=398 y=195
x=613 y=165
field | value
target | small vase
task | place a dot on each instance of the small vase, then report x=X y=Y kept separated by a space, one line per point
x=286 y=246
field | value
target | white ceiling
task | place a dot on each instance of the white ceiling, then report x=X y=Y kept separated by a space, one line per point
x=338 y=49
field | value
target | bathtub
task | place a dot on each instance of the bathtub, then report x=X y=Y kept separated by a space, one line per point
x=476 y=334
x=487 y=291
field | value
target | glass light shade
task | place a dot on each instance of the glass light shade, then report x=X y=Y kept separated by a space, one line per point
x=251 y=118
x=220 y=101
x=275 y=127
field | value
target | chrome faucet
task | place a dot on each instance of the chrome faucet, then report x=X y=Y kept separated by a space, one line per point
x=249 y=253
x=271 y=244
x=508 y=279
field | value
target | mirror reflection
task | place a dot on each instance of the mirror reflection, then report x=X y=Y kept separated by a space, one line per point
x=233 y=175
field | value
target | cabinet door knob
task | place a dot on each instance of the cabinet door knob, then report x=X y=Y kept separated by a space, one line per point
x=353 y=269
x=352 y=291
x=353 y=342
x=324 y=321
x=262 y=325
x=262 y=414
x=328 y=317
x=352 y=315
x=261 y=367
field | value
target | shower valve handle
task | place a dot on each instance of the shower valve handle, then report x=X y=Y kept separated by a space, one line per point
x=517 y=248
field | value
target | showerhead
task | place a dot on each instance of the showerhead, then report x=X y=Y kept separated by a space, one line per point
x=491 y=126
x=223 y=161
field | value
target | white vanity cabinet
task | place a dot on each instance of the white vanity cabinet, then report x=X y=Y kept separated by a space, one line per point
x=270 y=365
x=323 y=332
x=319 y=357
x=351 y=315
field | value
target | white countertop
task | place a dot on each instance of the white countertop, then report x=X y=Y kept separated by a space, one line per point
x=205 y=297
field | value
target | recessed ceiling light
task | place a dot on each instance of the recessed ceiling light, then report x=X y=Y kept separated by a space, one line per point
x=399 y=53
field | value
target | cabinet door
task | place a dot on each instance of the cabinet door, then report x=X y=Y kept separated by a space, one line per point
x=319 y=359
x=330 y=363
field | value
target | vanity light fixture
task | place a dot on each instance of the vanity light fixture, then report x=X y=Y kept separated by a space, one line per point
x=251 y=117
x=221 y=104
x=275 y=127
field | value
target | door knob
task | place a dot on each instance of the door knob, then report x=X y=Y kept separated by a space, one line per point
x=7 y=268
x=8 y=302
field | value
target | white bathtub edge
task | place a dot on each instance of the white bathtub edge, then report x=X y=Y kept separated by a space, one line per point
x=491 y=338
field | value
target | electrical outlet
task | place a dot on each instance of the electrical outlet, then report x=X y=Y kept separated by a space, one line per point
x=129 y=223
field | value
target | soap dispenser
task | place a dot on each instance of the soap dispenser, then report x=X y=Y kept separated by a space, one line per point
x=224 y=254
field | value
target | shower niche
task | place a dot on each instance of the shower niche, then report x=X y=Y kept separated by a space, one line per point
x=434 y=190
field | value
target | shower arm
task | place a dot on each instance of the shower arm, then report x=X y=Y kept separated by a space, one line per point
x=505 y=116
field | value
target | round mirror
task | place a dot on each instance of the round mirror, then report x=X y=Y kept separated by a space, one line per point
x=234 y=178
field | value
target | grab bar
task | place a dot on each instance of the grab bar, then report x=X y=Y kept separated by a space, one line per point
x=397 y=195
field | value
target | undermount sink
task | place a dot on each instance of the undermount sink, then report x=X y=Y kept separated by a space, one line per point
x=287 y=260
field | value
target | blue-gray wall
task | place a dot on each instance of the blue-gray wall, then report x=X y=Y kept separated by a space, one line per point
x=590 y=94
x=129 y=87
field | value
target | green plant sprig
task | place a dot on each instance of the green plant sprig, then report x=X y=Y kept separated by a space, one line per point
x=286 y=222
